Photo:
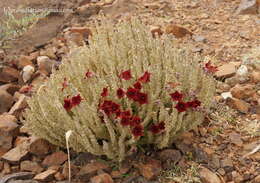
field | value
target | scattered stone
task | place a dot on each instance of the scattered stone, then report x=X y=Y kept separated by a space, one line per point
x=226 y=71
x=227 y=164
x=238 y=104
x=90 y=170
x=247 y=7
x=256 y=179
x=22 y=181
x=177 y=31
x=45 y=64
x=20 y=140
x=242 y=70
x=86 y=32
x=255 y=77
x=226 y=95
x=6 y=169
x=65 y=170
x=17 y=154
x=49 y=52
x=208 y=177
x=6 y=101
x=10 y=88
x=102 y=178
x=151 y=169
x=88 y=10
x=19 y=106
x=200 y=155
x=30 y=166
x=236 y=177
x=235 y=138
x=58 y=176
x=20 y=175
x=8 y=130
x=24 y=61
x=8 y=74
x=169 y=157
x=27 y=73
x=83 y=158
x=47 y=175
x=199 y=38
x=40 y=146
x=56 y=158
x=242 y=92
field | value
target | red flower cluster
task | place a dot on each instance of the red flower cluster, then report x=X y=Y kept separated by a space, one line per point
x=110 y=107
x=138 y=131
x=104 y=92
x=183 y=106
x=176 y=96
x=145 y=78
x=126 y=75
x=210 y=68
x=69 y=103
x=137 y=96
x=120 y=93
x=194 y=104
x=155 y=129
x=137 y=85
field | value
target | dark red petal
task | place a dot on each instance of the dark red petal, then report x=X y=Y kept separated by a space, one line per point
x=67 y=104
x=176 y=96
x=145 y=77
x=125 y=121
x=135 y=120
x=89 y=74
x=138 y=86
x=76 y=100
x=181 y=106
x=126 y=75
x=141 y=98
x=120 y=93
x=104 y=92
x=161 y=125
x=138 y=131
x=131 y=93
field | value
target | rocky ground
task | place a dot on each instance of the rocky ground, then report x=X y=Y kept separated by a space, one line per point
x=225 y=148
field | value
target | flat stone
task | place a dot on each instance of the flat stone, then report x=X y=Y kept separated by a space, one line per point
x=9 y=74
x=56 y=158
x=45 y=64
x=226 y=71
x=30 y=166
x=151 y=169
x=238 y=104
x=20 y=175
x=46 y=175
x=6 y=101
x=40 y=146
x=235 y=138
x=24 y=61
x=247 y=7
x=102 y=178
x=177 y=31
x=11 y=88
x=255 y=77
x=208 y=177
x=19 y=106
x=243 y=91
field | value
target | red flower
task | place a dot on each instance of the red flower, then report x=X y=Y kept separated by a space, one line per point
x=210 y=68
x=138 y=131
x=194 y=104
x=125 y=121
x=120 y=93
x=126 y=75
x=154 y=129
x=131 y=93
x=138 y=85
x=76 y=100
x=176 y=96
x=89 y=74
x=141 y=98
x=110 y=107
x=67 y=104
x=181 y=106
x=104 y=92
x=135 y=120
x=161 y=125
x=126 y=113
x=145 y=77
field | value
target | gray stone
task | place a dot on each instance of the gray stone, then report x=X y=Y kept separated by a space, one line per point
x=247 y=7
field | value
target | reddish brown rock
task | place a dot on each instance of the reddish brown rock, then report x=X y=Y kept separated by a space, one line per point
x=47 y=175
x=58 y=176
x=255 y=77
x=65 y=170
x=9 y=74
x=10 y=88
x=238 y=104
x=17 y=154
x=20 y=139
x=177 y=31
x=6 y=101
x=40 y=146
x=102 y=178
x=226 y=71
x=151 y=169
x=248 y=7
x=24 y=61
x=208 y=177
x=256 y=179
x=86 y=32
x=30 y=166
x=8 y=130
x=90 y=170
x=56 y=158
x=19 y=106
x=243 y=92
x=235 y=138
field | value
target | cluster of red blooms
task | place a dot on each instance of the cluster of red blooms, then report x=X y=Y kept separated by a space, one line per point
x=210 y=68
x=69 y=103
x=183 y=106
x=155 y=129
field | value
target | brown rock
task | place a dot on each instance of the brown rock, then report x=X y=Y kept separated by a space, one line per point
x=10 y=88
x=90 y=170
x=255 y=76
x=151 y=169
x=177 y=31
x=40 y=146
x=227 y=164
x=56 y=158
x=17 y=154
x=24 y=61
x=86 y=32
x=256 y=179
x=235 y=138
x=247 y=7
x=8 y=130
x=237 y=177
x=6 y=101
x=19 y=140
x=9 y=74
x=239 y=105
x=58 y=176
x=226 y=71
x=65 y=170
x=19 y=106
x=242 y=92
x=88 y=10
x=47 y=175
x=208 y=177
x=6 y=168
x=30 y=166
x=45 y=64
x=174 y=156
x=102 y=178
x=1 y=165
